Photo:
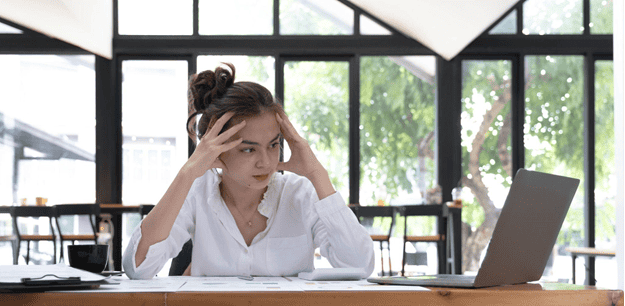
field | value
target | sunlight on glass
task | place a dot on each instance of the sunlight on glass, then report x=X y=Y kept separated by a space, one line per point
x=50 y=113
x=554 y=141
x=154 y=114
x=605 y=176
x=506 y=26
x=370 y=27
x=155 y=17
x=236 y=17
x=601 y=17
x=318 y=17
x=545 y=17
x=316 y=95
x=486 y=143
x=258 y=69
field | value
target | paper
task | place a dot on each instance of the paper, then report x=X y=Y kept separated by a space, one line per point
x=359 y=285
x=13 y=274
x=258 y=284
x=334 y=274
x=156 y=284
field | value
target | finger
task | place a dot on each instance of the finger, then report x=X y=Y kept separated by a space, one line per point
x=230 y=132
x=286 y=127
x=229 y=145
x=219 y=124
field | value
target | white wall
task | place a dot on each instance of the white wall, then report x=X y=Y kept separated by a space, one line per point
x=619 y=134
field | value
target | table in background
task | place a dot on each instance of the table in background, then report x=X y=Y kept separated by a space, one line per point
x=524 y=294
x=449 y=224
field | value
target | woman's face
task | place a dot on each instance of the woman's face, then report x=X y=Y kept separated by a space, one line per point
x=253 y=162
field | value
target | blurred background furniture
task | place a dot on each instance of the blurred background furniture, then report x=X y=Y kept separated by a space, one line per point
x=145 y=209
x=588 y=253
x=379 y=222
x=27 y=230
x=70 y=227
x=448 y=225
x=116 y=211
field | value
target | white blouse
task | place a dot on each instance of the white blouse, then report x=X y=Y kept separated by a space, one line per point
x=297 y=223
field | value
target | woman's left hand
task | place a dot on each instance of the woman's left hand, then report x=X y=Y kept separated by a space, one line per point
x=303 y=161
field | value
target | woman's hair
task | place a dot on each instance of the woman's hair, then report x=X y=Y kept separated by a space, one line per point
x=214 y=93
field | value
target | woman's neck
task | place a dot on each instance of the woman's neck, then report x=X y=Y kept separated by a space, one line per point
x=241 y=196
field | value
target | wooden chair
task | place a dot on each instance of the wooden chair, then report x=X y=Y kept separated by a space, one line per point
x=91 y=211
x=366 y=216
x=19 y=213
x=411 y=211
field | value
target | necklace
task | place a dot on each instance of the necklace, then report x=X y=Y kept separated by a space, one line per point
x=249 y=220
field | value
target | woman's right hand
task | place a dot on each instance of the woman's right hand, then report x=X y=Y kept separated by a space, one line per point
x=206 y=154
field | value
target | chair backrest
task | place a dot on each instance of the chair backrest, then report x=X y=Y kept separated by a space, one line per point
x=90 y=209
x=18 y=212
x=145 y=209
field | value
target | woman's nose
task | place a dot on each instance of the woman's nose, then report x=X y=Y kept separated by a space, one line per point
x=263 y=160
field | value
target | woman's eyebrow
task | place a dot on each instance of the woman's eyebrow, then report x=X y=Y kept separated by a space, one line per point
x=257 y=144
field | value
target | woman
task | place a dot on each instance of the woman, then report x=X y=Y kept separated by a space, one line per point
x=249 y=219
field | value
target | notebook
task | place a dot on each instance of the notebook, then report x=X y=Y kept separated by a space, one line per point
x=523 y=237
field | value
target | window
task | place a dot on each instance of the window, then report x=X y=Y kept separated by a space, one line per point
x=545 y=17
x=155 y=17
x=319 y=17
x=486 y=150
x=240 y=17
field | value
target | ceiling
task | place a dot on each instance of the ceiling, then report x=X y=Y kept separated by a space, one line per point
x=444 y=26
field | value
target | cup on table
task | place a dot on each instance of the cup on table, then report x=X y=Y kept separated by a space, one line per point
x=89 y=257
x=456 y=195
x=41 y=201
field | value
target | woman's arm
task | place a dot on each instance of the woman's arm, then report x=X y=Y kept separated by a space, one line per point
x=158 y=223
x=303 y=161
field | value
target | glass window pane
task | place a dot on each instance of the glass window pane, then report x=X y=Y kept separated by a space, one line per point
x=154 y=115
x=552 y=17
x=601 y=17
x=155 y=17
x=252 y=17
x=258 y=69
x=316 y=99
x=486 y=150
x=605 y=191
x=370 y=27
x=319 y=17
x=554 y=139
x=397 y=115
x=6 y=29
x=506 y=26
x=47 y=128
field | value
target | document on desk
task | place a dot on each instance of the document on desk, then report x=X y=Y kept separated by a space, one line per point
x=13 y=274
x=221 y=284
x=156 y=284
x=358 y=285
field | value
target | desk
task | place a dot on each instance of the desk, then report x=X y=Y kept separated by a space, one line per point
x=525 y=294
x=116 y=211
x=448 y=224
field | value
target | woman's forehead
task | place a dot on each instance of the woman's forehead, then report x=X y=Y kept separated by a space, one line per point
x=262 y=128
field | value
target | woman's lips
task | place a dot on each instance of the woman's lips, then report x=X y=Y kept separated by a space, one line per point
x=261 y=177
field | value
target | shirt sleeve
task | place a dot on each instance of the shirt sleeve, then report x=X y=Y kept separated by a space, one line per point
x=160 y=252
x=339 y=235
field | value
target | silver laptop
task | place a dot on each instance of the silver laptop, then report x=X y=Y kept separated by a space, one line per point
x=523 y=238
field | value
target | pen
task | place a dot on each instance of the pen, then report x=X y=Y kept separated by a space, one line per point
x=246 y=277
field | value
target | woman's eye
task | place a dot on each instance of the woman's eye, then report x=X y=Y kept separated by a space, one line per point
x=248 y=150
x=274 y=145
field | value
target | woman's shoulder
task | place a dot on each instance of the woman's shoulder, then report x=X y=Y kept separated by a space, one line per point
x=206 y=184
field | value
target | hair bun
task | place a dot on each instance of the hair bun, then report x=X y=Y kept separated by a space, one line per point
x=209 y=85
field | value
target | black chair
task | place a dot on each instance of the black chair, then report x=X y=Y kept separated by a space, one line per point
x=19 y=213
x=90 y=232
x=366 y=216
x=10 y=237
x=180 y=263
x=145 y=209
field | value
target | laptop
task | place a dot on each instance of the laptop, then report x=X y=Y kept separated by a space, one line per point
x=523 y=237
